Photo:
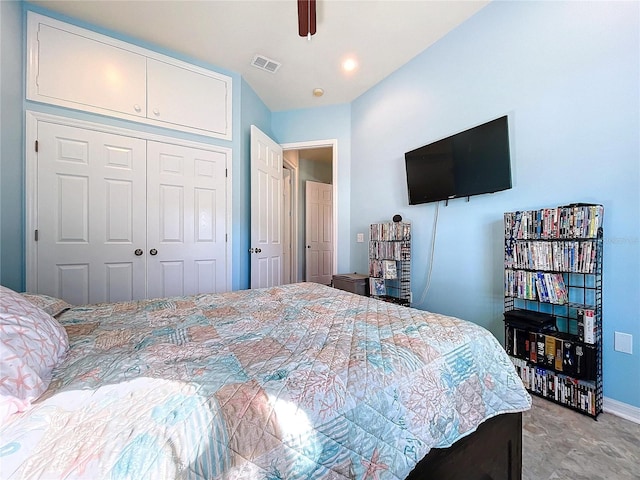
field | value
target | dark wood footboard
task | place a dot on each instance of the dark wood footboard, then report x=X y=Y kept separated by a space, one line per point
x=492 y=452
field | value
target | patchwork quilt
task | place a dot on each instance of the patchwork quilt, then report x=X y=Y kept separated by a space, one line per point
x=300 y=381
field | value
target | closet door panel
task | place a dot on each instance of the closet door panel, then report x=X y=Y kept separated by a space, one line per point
x=171 y=213
x=91 y=215
x=73 y=209
x=186 y=220
x=171 y=281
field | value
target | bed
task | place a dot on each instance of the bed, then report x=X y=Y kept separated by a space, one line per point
x=298 y=381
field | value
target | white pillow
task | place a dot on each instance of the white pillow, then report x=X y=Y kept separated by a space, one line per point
x=32 y=343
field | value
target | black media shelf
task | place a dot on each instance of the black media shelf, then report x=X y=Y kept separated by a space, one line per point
x=390 y=262
x=553 y=266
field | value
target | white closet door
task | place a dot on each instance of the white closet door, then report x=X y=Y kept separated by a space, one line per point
x=91 y=215
x=186 y=220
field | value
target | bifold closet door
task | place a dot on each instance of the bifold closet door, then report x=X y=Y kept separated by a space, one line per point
x=91 y=215
x=186 y=224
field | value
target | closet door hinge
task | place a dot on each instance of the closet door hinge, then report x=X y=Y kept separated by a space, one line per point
x=226 y=237
x=226 y=174
x=36 y=146
x=35 y=236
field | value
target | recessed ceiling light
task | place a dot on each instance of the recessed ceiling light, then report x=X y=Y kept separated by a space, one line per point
x=318 y=92
x=349 y=65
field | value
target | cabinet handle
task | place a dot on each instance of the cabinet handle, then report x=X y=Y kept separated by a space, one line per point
x=156 y=112
x=137 y=108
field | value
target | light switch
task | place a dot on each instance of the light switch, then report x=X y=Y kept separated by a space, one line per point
x=623 y=342
x=360 y=237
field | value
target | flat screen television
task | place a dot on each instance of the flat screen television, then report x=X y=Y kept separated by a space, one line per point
x=471 y=162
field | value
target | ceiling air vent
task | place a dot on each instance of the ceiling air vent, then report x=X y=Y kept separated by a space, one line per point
x=264 y=63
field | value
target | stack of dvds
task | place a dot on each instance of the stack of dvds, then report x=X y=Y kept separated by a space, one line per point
x=571 y=221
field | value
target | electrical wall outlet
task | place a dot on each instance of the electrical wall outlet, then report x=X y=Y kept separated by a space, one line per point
x=623 y=342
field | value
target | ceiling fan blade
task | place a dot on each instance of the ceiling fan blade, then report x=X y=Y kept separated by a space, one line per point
x=306 y=17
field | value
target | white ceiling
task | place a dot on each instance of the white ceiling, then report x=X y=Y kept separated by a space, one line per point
x=382 y=35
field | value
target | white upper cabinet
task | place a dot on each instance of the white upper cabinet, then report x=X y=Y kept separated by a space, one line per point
x=192 y=105
x=77 y=68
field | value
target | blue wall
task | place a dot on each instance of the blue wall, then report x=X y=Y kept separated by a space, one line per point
x=11 y=147
x=325 y=123
x=567 y=75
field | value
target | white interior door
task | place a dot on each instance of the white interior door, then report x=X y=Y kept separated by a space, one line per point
x=266 y=211
x=319 y=232
x=91 y=207
x=186 y=234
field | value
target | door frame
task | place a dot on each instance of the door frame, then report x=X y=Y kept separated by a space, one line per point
x=293 y=218
x=31 y=185
x=333 y=144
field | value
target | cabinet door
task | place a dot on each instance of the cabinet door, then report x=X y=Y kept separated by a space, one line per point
x=186 y=97
x=91 y=210
x=83 y=73
x=186 y=220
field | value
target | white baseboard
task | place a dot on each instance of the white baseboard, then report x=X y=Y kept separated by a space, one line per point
x=623 y=410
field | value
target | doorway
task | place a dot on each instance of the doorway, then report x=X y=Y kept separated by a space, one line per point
x=306 y=161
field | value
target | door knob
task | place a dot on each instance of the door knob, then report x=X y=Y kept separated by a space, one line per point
x=153 y=251
x=138 y=252
x=137 y=108
x=258 y=250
